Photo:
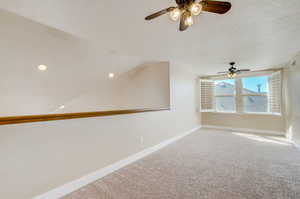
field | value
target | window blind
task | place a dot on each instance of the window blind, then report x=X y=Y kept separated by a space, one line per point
x=275 y=93
x=207 y=95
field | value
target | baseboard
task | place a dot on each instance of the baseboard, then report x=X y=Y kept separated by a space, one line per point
x=255 y=131
x=77 y=184
x=297 y=146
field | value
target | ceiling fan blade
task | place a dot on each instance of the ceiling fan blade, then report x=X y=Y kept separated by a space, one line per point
x=183 y=26
x=244 y=70
x=225 y=72
x=219 y=7
x=159 y=13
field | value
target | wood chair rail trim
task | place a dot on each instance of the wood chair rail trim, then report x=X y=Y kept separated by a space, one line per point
x=67 y=116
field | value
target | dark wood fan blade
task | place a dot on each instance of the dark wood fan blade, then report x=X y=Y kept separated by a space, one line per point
x=245 y=70
x=182 y=25
x=159 y=13
x=219 y=7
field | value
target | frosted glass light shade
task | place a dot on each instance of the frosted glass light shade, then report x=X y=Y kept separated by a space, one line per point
x=175 y=14
x=196 y=8
x=189 y=21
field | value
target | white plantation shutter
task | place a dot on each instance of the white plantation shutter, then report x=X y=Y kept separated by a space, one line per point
x=207 y=95
x=275 y=93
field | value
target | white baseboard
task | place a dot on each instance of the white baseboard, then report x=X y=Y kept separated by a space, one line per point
x=297 y=146
x=77 y=184
x=255 y=131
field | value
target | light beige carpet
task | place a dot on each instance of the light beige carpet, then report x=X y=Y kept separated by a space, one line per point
x=210 y=164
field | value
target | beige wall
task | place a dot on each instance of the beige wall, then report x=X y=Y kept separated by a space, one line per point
x=246 y=121
x=292 y=84
x=38 y=157
x=146 y=86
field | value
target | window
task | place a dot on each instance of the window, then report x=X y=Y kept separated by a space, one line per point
x=225 y=95
x=253 y=94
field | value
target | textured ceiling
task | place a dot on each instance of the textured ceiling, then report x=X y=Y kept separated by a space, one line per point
x=255 y=33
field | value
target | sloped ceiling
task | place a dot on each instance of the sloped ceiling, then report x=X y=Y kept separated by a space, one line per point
x=255 y=33
x=73 y=66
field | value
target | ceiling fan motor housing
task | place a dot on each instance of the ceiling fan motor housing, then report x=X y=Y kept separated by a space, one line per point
x=181 y=2
x=233 y=69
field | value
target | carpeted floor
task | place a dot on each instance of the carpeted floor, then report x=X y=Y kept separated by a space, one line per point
x=210 y=164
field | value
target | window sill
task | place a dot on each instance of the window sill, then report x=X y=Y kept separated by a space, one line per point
x=258 y=113
x=236 y=113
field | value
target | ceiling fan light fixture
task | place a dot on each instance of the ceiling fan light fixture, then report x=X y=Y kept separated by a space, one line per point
x=196 y=8
x=189 y=20
x=175 y=14
x=186 y=9
x=232 y=75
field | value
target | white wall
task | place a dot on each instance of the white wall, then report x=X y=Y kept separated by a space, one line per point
x=74 y=67
x=292 y=84
x=38 y=157
x=25 y=45
x=145 y=86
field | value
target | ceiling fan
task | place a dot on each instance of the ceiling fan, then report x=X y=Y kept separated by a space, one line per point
x=186 y=9
x=233 y=71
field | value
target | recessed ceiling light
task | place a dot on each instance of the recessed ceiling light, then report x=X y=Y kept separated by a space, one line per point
x=62 y=107
x=42 y=67
x=111 y=75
